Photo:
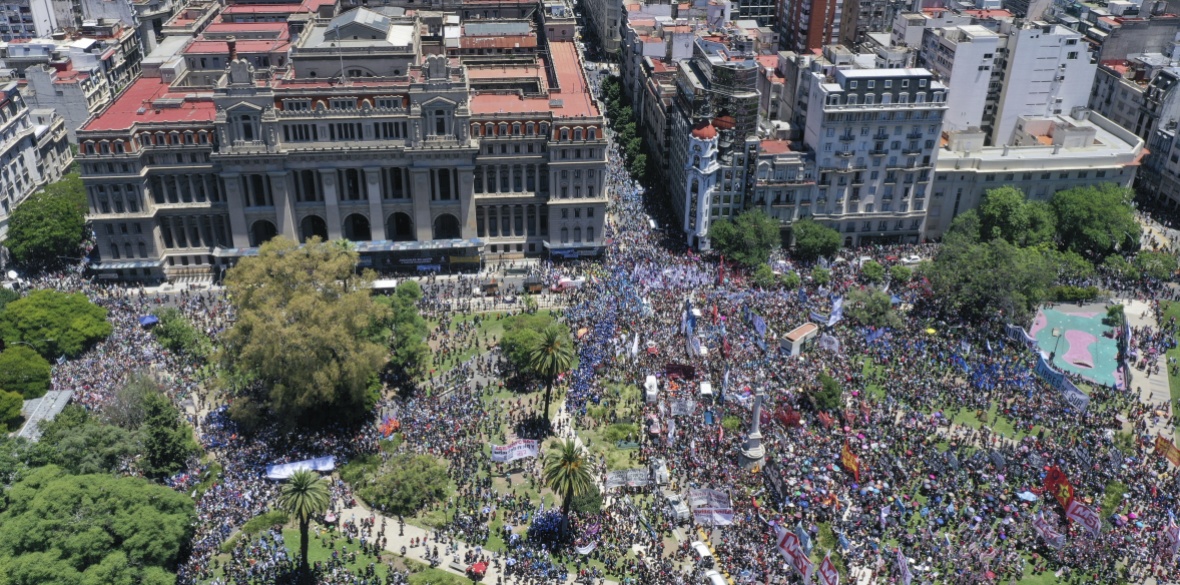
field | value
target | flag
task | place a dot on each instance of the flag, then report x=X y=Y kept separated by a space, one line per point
x=635 y=346
x=1172 y=535
x=1085 y=516
x=1057 y=484
x=828 y=575
x=843 y=540
x=1166 y=448
x=792 y=551
x=903 y=568
x=804 y=538
x=851 y=461
x=1046 y=531
x=837 y=311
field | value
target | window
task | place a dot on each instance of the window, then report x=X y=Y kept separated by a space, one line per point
x=1072 y=55
x=589 y=212
x=296 y=105
x=343 y=104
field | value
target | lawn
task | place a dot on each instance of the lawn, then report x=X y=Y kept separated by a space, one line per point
x=1173 y=310
x=491 y=326
x=317 y=552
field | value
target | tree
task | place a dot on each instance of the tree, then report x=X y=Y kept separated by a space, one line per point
x=1119 y=267
x=49 y=226
x=872 y=308
x=567 y=473
x=60 y=528
x=10 y=406
x=407 y=330
x=1157 y=265
x=813 y=241
x=305 y=495
x=24 y=371
x=983 y=281
x=302 y=312
x=764 y=276
x=7 y=295
x=167 y=440
x=550 y=357
x=403 y=485
x=821 y=275
x=79 y=443
x=830 y=393
x=127 y=408
x=748 y=239
x=1096 y=220
x=177 y=334
x=872 y=271
x=900 y=273
x=790 y=280
x=54 y=323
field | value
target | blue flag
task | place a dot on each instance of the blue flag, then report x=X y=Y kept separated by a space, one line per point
x=804 y=538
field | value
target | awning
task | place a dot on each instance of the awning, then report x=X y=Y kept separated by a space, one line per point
x=146 y=320
x=126 y=265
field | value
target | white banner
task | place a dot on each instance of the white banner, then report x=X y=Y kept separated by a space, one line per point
x=1052 y=538
x=637 y=477
x=1087 y=517
x=792 y=551
x=519 y=449
x=1172 y=534
x=903 y=567
x=828 y=575
x=710 y=507
x=286 y=470
x=585 y=550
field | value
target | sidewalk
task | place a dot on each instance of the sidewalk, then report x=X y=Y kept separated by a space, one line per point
x=1153 y=390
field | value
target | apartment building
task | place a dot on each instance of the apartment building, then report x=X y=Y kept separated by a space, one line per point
x=875 y=134
x=423 y=161
x=33 y=150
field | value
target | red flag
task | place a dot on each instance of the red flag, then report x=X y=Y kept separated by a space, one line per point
x=828 y=575
x=1057 y=483
x=851 y=461
x=1085 y=516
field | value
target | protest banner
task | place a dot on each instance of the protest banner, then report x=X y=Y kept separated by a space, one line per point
x=710 y=507
x=519 y=449
x=1085 y=516
x=792 y=551
x=638 y=477
x=1166 y=448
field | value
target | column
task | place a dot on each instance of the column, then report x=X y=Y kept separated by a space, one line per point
x=420 y=191
x=237 y=211
x=331 y=204
x=466 y=180
x=376 y=215
x=284 y=211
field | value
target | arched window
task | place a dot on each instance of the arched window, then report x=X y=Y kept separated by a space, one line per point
x=590 y=234
x=577 y=235
x=529 y=128
x=565 y=236
x=503 y=129
x=489 y=129
x=592 y=133
x=565 y=133
x=577 y=133
x=475 y=129
x=516 y=128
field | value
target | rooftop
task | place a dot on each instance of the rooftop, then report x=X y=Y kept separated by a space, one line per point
x=570 y=99
x=134 y=106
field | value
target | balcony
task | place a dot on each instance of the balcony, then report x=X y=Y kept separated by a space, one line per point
x=844 y=154
x=911 y=151
x=914 y=136
x=876 y=152
x=881 y=136
x=847 y=138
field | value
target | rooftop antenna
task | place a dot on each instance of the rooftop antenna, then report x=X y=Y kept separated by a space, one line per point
x=340 y=54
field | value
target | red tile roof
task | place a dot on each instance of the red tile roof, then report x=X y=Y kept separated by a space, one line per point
x=571 y=90
x=704 y=131
x=123 y=113
x=776 y=146
x=244 y=47
x=501 y=42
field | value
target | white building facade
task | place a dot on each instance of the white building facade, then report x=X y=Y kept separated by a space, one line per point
x=33 y=151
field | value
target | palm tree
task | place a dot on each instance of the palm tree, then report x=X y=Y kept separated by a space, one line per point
x=568 y=473
x=304 y=496
x=553 y=354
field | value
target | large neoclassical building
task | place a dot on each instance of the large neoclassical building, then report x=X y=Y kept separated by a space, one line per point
x=345 y=129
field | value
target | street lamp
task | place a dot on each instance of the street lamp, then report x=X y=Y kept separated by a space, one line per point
x=1056 y=333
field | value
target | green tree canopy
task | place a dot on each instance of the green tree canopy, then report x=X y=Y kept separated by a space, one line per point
x=177 y=334
x=982 y=281
x=872 y=271
x=1157 y=265
x=900 y=273
x=60 y=528
x=747 y=239
x=764 y=276
x=821 y=275
x=54 y=323
x=302 y=315
x=167 y=440
x=405 y=484
x=405 y=329
x=79 y=443
x=24 y=371
x=567 y=472
x=10 y=405
x=47 y=229
x=1096 y=220
x=813 y=240
x=790 y=280
x=829 y=396
x=873 y=308
x=521 y=334
x=551 y=356
x=127 y=408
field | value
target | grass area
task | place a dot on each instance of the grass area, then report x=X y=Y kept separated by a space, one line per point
x=870 y=372
x=424 y=575
x=996 y=422
x=317 y=552
x=1172 y=310
x=491 y=326
x=1112 y=497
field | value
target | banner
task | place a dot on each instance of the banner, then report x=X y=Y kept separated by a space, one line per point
x=819 y=317
x=1046 y=531
x=710 y=507
x=585 y=550
x=286 y=470
x=851 y=461
x=683 y=407
x=671 y=432
x=837 y=311
x=1076 y=398
x=1085 y=516
x=903 y=568
x=519 y=449
x=638 y=477
x=788 y=545
x=828 y=575
x=1019 y=334
x=1172 y=536
x=635 y=346
x=760 y=325
x=1166 y=448
x=804 y=538
x=829 y=343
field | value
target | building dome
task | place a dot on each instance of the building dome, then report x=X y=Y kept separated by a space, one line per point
x=704 y=131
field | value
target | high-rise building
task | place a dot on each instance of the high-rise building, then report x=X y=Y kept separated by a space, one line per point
x=1050 y=71
x=860 y=17
x=809 y=25
x=964 y=59
x=875 y=134
x=605 y=17
x=422 y=160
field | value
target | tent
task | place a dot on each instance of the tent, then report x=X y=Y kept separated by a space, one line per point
x=148 y=320
x=651 y=389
